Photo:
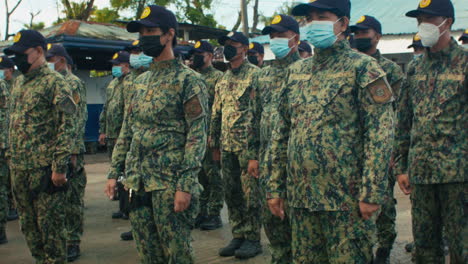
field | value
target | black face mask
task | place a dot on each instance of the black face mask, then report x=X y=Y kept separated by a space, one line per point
x=363 y=44
x=198 y=61
x=151 y=45
x=253 y=60
x=230 y=52
x=21 y=61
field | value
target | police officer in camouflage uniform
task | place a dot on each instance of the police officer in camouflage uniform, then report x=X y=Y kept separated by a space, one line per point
x=230 y=122
x=162 y=145
x=431 y=140
x=6 y=69
x=305 y=50
x=58 y=59
x=42 y=133
x=284 y=39
x=418 y=48
x=367 y=33
x=255 y=54
x=464 y=39
x=211 y=199
x=112 y=115
x=331 y=146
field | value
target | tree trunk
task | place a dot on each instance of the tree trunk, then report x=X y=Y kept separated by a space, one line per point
x=238 y=22
x=87 y=12
x=255 y=16
x=8 y=15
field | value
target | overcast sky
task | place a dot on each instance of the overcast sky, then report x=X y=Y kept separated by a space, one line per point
x=225 y=12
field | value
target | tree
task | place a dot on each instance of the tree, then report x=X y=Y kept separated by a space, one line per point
x=79 y=11
x=137 y=5
x=105 y=15
x=8 y=14
x=285 y=9
x=32 y=25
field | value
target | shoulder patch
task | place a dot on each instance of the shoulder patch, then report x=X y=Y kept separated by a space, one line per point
x=193 y=108
x=380 y=91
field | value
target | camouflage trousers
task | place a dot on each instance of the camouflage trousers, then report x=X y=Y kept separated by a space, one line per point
x=121 y=192
x=330 y=237
x=110 y=144
x=242 y=197
x=385 y=223
x=4 y=189
x=437 y=207
x=161 y=235
x=75 y=203
x=42 y=218
x=211 y=199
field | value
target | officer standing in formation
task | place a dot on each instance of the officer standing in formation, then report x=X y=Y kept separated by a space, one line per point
x=211 y=199
x=431 y=137
x=305 y=50
x=267 y=84
x=255 y=54
x=42 y=132
x=162 y=145
x=367 y=34
x=230 y=121
x=6 y=71
x=464 y=39
x=418 y=48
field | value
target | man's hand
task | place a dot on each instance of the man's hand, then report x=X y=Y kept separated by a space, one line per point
x=404 y=183
x=367 y=209
x=110 y=188
x=59 y=179
x=73 y=160
x=252 y=168
x=276 y=206
x=216 y=155
x=181 y=201
x=102 y=139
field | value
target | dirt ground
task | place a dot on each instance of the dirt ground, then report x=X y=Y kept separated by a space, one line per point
x=101 y=242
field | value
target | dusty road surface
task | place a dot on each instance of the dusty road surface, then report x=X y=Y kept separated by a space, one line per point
x=101 y=242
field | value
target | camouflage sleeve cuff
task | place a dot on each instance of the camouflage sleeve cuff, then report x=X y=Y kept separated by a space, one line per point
x=59 y=168
x=112 y=175
x=372 y=199
x=185 y=185
x=275 y=195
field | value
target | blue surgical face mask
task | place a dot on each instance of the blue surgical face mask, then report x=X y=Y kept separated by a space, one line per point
x=2 y=75
x=280 y=47
x=117 y=71
x=51 y=65
x=321 y=33
x=141 y=60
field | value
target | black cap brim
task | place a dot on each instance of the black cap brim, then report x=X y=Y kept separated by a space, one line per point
x=115 y=62
x=15 y=49
x=463 y=38
x=357 y=27
x=303 y=9
x=135 y=26
x=222 y=40
x=416 y=13
x=273 y=28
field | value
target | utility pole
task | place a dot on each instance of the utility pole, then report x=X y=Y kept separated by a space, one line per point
x=245 y=20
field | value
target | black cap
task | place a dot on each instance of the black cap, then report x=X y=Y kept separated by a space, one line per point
x=56 y=50
x=304 y=46
x=256 y=47
x=367 y=22
x=6 y=63
x=69 y=60
x=120 y=57
x=416 y=42
x=464 y=36
x=434 y=7
x=282 y=23
x=202 y=46
x=24 y=40
x=234 y=36
x=135 y=46
x=154 y=16
x=338 y=7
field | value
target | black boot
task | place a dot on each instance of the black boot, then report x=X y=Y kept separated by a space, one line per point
x=73 y=253
x=126 y=236
x=12 y=215
x=212 y=222
x=200 y=219
x=249 y=249
x=3 y=238
x=409 y=247
x=117 y=215
x=382 y=256
x=231 y=248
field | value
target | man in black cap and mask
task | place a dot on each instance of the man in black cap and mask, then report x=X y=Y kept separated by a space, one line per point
x=162 y=145
x=418 y=48
x=431 y=137
x=212 y=197
x=230 y=125
x=255 y=54
x=367 y=34
x=305 y=50
x=42 y=133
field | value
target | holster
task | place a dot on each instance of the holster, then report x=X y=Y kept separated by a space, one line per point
x=46 y=185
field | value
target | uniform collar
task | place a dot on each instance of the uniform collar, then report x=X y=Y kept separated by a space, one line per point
x=41 y=70
x=241 y=67
x=207 y=69
x=377 y=55
x=287 y=60
x=339 y=46
x=160 y=65
x=444 y=53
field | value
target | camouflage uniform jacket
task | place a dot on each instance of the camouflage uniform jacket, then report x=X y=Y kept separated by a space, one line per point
x=267 y=85
x=110 y=121
x=211 y=76
x=231 y=118
x=431 y=136
x=79 y=97
x=129 y=87
x=4 y=99
x=395 y=75
x=164 y=134
x=42 y=114
x=333 y=132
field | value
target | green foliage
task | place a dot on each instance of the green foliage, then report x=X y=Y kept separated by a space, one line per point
x=104 y=15
x=35 y=26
